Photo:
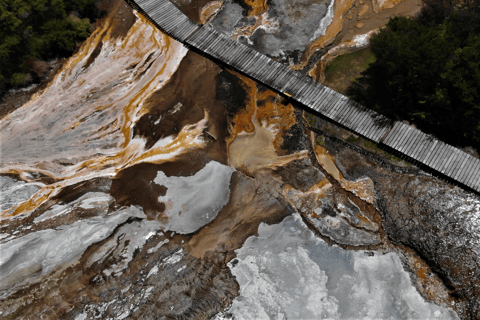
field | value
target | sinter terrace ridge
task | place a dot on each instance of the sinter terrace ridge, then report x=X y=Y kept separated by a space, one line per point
x=441 y=158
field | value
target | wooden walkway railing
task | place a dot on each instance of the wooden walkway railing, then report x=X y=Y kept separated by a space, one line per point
x=448 y=161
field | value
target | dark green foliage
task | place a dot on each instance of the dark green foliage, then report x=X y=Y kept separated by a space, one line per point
x=428 y=71
x=42 y=29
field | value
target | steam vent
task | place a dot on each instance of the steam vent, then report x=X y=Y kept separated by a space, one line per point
x=187 y=161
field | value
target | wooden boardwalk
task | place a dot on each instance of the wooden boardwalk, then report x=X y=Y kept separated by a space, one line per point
x=447 y=160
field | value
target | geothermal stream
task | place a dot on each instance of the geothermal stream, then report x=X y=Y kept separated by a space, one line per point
x=145 y=182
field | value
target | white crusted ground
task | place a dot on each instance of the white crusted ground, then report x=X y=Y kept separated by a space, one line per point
x=194 y=201
x=287 y=273
x=26 y=260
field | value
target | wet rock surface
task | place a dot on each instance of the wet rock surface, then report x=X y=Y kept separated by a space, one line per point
x=438 y=221
x=192 y=192
x=441 y=224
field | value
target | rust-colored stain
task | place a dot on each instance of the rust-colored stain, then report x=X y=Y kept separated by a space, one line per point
x=256 y=133
x=363 y=188
x=257 y=7
x=243 y=121
x=339 y=8
x=428 y=283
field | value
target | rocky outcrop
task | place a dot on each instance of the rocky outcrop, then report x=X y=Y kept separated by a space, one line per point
x=441 y=223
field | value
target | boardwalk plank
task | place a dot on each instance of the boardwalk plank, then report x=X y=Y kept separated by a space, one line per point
x=264 y=70
x=420 y=146
x=361 y=119
x=257 y=67
x=430 y=152
x=364 y=127
x=475 y=175
x=204 y=38
x=404 y=139
x=313 y=98
x=451 y=161
x=354 y=117
x=471 y=170
x=463 y=169
x=439 y=157
x=344 y=113
x=377 y=133
x=470 y=163
x=240 y=60
x=232 y=52
x=329 y=97
x=211 y=47
x=475 y=181
x=445 y=157
x=390 y=138
x=432 y=156
x=148 y=6
x=277 y=77
x=311 y=95
x=383 y=129
x=367 y=126
x=436 y=155
x=475 y=171
x=293 y=88
x=429 y=143
x=449 y=155
x=199 y=35
x=225 y=49
x=303 y=95
x=326 y=101
x=243 y=58
x=415 y=136
x=368 y=123
x=236 y=52
x=334 y=107
x=408 y=141
x=290 y=81
x=348 y=113
x=456 y=163
x=356 y=114
x=393 y=136
x=246 y=59
x=337 y=109
x=276 y=70
x=401 y=136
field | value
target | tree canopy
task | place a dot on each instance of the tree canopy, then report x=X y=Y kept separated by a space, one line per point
x=42 y=29
x=427 y=71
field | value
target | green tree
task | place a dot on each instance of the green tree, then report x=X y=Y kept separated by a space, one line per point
x=42 y=29
x=427 y=71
